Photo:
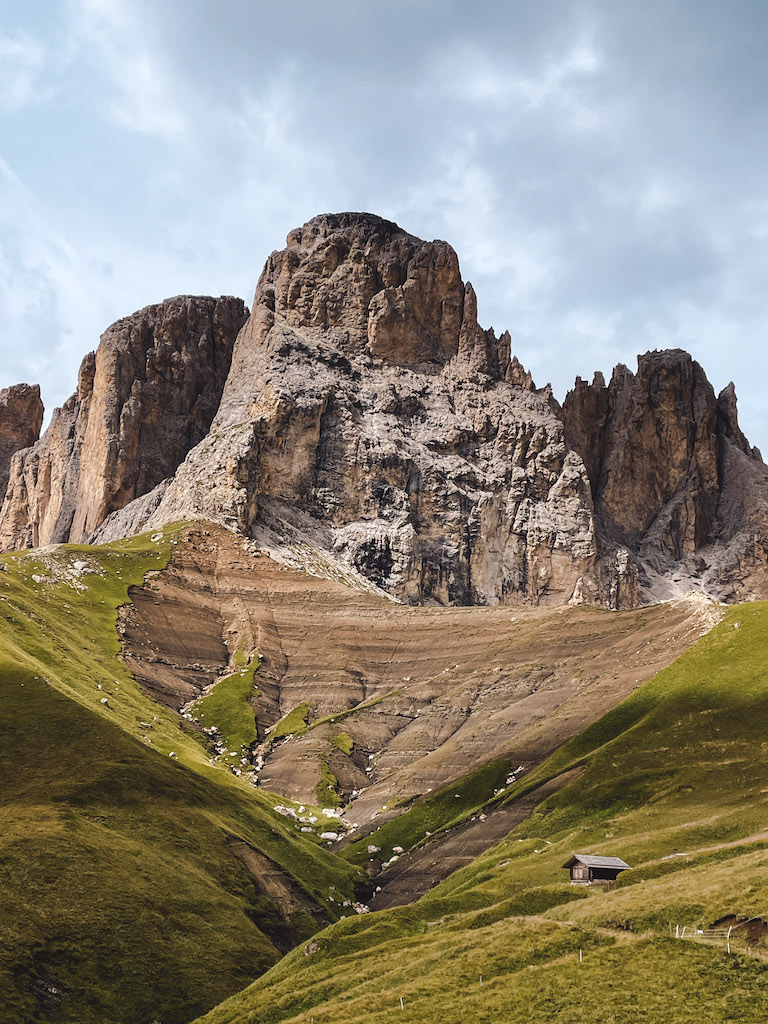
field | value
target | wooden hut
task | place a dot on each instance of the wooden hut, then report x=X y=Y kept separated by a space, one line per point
x=587 y=869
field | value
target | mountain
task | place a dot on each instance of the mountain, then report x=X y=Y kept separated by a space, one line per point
x=364 y=422
x=21 y=416
x=143 y=400
x=402 y=633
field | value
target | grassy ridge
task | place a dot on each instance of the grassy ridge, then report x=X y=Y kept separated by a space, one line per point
x=679 y=768
x=327 y=789
x=228 y=706
x=294 y=723
x=120 y=899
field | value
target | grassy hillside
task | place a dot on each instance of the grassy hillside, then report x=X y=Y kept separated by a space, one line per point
x=518 y=970
x=678 y=768
x=121 y=901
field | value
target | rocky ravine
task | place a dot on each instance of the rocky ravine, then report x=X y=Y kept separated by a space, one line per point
x=370 y=428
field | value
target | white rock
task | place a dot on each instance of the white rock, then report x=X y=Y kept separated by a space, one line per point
x=287 y=812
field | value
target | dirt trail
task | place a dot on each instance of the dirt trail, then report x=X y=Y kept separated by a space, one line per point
x=416 y=873
x=755 y=838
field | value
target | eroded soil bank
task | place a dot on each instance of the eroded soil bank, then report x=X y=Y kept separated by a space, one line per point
x=389 y=702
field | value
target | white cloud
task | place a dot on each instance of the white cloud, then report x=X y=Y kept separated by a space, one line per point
x=470 y=76
x=603 y=188
x=143 y=96
x=22 y=62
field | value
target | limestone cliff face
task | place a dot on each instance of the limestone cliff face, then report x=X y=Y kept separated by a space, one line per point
x=364 y=426
x=669 y=473
x=369 y=422
x=143 y=400
x=21 y=416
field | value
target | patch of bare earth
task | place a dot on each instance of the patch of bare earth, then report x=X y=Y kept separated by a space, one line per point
x=426 y=693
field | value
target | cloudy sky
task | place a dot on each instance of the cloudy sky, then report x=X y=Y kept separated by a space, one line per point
x=600 y=167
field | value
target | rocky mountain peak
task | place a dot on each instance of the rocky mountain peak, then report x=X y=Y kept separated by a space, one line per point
x=144 y=398
x=371 y=426
x=649 y=441
x=662 y=455
x=21 y=417
x=368 y=422
x=378 y=293
x=359 y=226
x=364 y=425
x=728 y=422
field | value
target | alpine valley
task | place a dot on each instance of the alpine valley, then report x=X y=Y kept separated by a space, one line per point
x=338 y=637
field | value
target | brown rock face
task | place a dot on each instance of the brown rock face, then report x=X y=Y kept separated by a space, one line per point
x=21 y=416
x=144 y=398
x=649 y=443
x=368 y=420
x=663 y=457
x=371 y=430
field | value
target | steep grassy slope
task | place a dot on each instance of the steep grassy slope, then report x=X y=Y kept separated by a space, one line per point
x=121 y=901
x=679 y=767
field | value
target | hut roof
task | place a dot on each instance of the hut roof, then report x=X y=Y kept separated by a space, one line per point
x=592 y=861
